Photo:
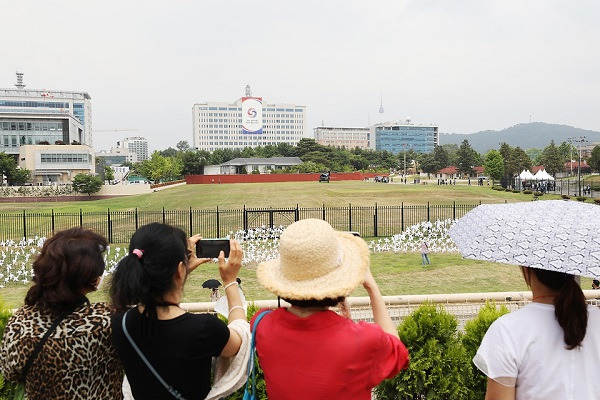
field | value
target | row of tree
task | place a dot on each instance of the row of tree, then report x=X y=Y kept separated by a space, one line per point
x=507 y=161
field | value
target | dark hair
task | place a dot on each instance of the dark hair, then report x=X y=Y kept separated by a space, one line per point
x=327 y=302
x=68 y=266
x=570 y=308
x=147 y=279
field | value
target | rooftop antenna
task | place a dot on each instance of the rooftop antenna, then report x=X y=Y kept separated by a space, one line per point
x=248 y=91
x=381 y=109
x=20 y=84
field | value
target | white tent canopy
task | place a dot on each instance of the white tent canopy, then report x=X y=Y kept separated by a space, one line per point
x=526 y=175
x=542 y=175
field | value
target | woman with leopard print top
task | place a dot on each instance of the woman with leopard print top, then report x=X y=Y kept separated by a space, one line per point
x=77 y=361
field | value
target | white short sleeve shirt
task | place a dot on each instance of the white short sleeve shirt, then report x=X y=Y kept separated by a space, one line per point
x=526 y=349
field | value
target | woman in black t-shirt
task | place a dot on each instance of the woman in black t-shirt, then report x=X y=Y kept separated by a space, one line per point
x=178 y=345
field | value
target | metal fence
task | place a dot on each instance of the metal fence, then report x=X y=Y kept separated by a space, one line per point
x=119 y=226
x=463 y=306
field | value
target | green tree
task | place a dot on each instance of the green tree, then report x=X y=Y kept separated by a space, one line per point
x=441 y=157
x=466 y=158
x=193 y=162
x=9 y=170
x=567 y=151
x=158 y=168
x=109 y=174
x=520 y=160
x=86 y=183
x=429 y=165
x=494 y=165
x=594 y=160
x=183 y=145
x=170 y=152
x=551 y=159
x=452 y=151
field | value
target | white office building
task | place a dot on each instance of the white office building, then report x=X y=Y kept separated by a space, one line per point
x=349 y=138
x=137 y=145
x=247 y=122
x=34 y=116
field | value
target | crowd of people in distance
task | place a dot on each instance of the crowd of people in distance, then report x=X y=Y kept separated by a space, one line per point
x=143 y=345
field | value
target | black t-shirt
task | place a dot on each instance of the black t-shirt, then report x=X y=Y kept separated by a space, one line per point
x=181 y=354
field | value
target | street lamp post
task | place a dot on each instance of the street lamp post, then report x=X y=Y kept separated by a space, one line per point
x=579 y=141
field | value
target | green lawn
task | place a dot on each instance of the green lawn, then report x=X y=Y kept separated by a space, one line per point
x=287 y=194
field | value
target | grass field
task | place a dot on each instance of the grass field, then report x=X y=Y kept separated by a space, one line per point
x=287 y=194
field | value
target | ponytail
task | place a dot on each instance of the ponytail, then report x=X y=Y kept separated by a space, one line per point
x=145 y=275
x=570 y=308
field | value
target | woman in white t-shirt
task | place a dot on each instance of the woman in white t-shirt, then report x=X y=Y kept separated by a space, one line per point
x=549 y=349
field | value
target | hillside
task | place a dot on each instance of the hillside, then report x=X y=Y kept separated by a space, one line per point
x=529 y=135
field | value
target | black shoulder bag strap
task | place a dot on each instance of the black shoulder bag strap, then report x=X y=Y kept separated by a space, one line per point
x=41 y=343
x=170 y=388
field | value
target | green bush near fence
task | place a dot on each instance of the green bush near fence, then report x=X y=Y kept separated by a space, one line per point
x=439 y=365
x=474 y=332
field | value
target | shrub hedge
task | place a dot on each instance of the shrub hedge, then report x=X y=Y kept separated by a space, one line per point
x=527 y=191
x=474 y=332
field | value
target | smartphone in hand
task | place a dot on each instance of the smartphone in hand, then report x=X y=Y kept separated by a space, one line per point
x=210 y=248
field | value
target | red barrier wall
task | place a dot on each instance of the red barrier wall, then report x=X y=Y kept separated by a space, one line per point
x=259 y=178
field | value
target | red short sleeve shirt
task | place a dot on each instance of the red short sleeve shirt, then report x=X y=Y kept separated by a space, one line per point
x=325 y=356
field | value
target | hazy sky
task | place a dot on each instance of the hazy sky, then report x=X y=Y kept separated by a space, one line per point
x=465 y=65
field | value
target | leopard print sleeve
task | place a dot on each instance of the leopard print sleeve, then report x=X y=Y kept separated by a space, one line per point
x=17 y=345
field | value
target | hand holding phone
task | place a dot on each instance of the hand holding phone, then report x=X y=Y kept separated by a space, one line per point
x=210 y=248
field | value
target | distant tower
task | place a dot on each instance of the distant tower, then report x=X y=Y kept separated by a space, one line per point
x=381 y=109
x=248 y=91
x=20 y=84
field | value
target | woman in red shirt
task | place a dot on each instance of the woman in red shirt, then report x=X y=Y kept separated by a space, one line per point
x=307 y=350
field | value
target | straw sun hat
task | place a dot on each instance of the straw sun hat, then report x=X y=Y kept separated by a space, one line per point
x=315 y=262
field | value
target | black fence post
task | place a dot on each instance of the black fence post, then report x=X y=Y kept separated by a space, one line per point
x=323 y=211
x=24 y=225
x=109 y=226
x=297 y=213
x=80 y=217
x=164 y=217
x=402 y=217
x=191 y=228
x=453 y=210
x=136 y=219
x=245 y=219
x=53 y=222
x=350 y=216
x=270 y=217
x=218 y=223
x=428 y=219
x=375 y=221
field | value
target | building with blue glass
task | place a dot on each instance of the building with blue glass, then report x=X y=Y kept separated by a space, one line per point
x=397 y=137
x=34 y=116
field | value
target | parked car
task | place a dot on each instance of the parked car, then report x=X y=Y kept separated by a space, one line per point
x=324 y=177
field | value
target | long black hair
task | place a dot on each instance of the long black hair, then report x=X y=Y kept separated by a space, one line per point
x=146 y=274
x=570 y=308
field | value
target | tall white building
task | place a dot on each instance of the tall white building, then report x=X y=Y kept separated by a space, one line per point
x=31 y=116
x=247 y=122
x=349 y=138
x=135 y=144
